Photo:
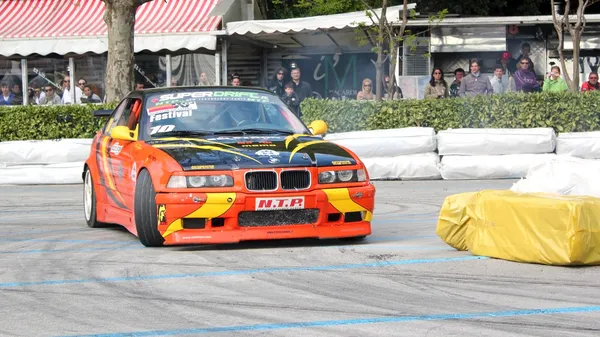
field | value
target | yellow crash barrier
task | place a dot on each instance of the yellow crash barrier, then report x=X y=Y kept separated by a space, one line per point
x=452 y=222
x=533 y=227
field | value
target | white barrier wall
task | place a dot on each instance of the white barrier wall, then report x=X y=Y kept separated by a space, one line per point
x=579 y=144
x=474 y=142
x=43 y=161
x=493 y=153
x=405 y=153
x=564 y=175
x=28 y=152
x=51 y=174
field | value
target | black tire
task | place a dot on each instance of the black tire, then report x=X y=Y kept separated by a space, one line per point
x=91 y=216
x=354 y=238
x=146 y=219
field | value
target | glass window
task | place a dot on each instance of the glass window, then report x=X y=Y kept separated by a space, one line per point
x=49 y=77
x=192 y=69
x=119 y=116
x=148 y=72
x=90 y=76
x=213 y=111
x=11 y=82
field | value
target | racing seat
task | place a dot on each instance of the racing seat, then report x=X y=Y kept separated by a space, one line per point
x=134 y=115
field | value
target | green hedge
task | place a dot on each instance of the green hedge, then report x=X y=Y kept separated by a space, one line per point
x=565 y=112
x=50 y=122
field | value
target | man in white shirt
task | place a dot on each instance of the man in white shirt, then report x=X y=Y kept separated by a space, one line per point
x=66 y=97
x=501 y=82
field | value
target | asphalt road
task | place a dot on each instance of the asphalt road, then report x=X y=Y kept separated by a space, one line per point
x=60 y=278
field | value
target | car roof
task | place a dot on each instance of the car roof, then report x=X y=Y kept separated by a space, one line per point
x=168 y=90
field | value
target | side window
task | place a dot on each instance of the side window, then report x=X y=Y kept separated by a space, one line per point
x=273 y=115
x=116 y=116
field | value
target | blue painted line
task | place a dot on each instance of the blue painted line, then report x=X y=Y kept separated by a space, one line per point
x=97 y=242
x=388 y=238
x=244 y=272
x=40 y=231
x=73 y=250
x=397 y=247
x=400 y=220
x=343 y=322
x=40 y=211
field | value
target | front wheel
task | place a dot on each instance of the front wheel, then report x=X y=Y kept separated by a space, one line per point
x=146 y=219
x=89 y=202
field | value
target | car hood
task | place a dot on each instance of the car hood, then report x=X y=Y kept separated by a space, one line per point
x=235 y=152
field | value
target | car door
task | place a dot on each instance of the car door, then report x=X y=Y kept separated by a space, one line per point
x=123 y=154
x=108 y=151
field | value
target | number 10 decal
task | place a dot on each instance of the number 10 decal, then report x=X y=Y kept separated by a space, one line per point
x=161 y=128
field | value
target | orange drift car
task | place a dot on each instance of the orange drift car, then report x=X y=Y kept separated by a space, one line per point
x=207 y=165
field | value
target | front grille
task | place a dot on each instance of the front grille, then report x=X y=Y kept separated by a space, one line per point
x=295 y=180
x=261 y=181
x=278 y=218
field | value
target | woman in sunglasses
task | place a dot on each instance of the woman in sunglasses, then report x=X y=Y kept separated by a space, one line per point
x=437 y=86
x=367 y=91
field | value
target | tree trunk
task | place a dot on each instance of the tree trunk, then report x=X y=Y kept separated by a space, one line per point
x=391 y=89
x=380 y=44
x=574 y=85
x=120 y=19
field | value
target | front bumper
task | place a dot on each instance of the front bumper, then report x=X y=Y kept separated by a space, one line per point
x=211 y=218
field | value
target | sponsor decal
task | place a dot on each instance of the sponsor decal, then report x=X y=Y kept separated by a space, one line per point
x=259 y=145
x=116 y=148
x=273 y=160
x=270 y=204
x=160 y=108
x=171 y=114
x=162 y=214
x=177 y=106
x=162 y=128
x=133 y=174
x=120 y=173
x=266 y=153
x=341 y=162
x=202 y=167
x=265 y=139
x=212 y=95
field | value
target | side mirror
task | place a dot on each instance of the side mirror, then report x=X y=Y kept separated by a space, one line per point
x=318 y=127
x=102 y=113
x=122 y=133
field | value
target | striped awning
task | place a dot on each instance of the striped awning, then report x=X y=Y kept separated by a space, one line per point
x=77 y=26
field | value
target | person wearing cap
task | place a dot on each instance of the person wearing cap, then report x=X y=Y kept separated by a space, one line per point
x=508 y=63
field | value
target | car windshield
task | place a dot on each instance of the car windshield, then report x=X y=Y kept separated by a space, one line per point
x=217 y=111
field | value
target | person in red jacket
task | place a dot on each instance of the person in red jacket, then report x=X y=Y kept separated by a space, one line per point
x=592 y=83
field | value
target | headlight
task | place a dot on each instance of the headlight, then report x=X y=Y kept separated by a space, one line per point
x=342 y=176
x=200 y=181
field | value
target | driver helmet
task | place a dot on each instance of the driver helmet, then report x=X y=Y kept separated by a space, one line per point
x=247 y=111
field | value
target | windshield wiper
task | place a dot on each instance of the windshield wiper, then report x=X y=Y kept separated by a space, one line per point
x=255 y=131
x=183 y=133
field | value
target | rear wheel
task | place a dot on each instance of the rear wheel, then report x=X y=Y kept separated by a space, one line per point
x=146 y=219
x=89 y=202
